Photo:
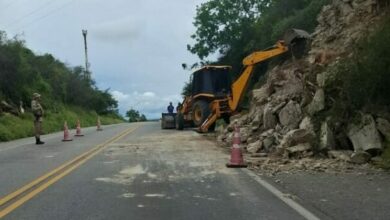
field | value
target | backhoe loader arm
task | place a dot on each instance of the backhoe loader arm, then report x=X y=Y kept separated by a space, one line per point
x=239 y=86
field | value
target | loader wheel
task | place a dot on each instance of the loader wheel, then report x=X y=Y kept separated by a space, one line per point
x=179 y=122
x=200 y=112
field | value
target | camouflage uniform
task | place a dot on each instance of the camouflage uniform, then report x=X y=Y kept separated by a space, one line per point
x=38 y=114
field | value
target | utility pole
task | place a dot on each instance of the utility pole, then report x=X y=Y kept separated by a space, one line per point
x=87 y=74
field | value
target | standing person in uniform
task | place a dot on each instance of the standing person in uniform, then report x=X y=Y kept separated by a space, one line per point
x=178 y=107
x=170 y=108
x=37 y=110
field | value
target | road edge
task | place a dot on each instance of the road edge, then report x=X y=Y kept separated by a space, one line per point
x=291 y=203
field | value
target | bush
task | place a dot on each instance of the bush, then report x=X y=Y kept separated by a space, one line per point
x=305 y=19
x=363 y=80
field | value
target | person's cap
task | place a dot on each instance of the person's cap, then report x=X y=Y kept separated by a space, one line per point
x=36 y=95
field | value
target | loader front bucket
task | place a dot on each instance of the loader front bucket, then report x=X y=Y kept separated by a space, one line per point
x=298 y=42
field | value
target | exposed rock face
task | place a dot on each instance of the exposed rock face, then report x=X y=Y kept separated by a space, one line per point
x=364 y=136
x=285 y=118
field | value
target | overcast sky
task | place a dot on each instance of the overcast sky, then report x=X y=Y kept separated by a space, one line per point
x=136 y=47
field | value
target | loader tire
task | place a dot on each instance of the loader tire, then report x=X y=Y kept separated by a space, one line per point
x=179 y=122
x=200 y=112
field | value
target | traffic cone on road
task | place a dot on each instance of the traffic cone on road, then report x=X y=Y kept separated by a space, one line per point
x=66 y=133
x=236 y=158
x=78 y=129
x=98 y=125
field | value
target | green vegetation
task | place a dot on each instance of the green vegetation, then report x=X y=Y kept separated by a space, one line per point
x=186 y=91
x=135 y=116
x=13 y=127
x=361 y=82
x=365 y=78
x=66 y=93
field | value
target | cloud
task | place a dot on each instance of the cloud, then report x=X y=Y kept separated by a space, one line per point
x=114 y=31
x=148 y=103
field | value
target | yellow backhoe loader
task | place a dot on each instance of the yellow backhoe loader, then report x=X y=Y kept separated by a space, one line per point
x=214 y=97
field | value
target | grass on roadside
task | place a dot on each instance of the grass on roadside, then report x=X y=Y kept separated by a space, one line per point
x=12 y=127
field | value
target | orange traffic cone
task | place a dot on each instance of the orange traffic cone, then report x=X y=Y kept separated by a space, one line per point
x=98 y=125
x=66 y=133
x=78 y=129
x=236 y=158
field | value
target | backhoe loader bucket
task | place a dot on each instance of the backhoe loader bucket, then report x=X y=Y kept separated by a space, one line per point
x=297 y=40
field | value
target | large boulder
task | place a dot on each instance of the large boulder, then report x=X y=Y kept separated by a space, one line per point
x=290 y=115
x=254 y=147
x=318 y=102
x=360 y=157
x=383 y=127
x=364 y=135
x=268 y=142
x=244 y=133
x=327 y=141
x=295 y=137
x=307 y=124
x=299 y=148
x=257 y=120
x=269 y=119
x=343 y=155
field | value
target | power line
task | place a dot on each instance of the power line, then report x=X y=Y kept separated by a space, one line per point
x=43 y=6
x=47 y=14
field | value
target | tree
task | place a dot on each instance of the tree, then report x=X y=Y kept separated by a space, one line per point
x=135 y=116
x=22 y=73
x=219 y=23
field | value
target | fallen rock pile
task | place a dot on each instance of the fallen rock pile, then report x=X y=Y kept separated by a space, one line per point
x=279 y=131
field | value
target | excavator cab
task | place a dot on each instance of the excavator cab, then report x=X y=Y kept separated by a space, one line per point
x=210 y=82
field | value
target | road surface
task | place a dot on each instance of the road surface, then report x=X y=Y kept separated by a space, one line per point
x=133 y=171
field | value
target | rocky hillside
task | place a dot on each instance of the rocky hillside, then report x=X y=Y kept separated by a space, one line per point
x=288 y=119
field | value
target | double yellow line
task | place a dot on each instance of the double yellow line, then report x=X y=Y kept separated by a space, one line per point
x=25 y=193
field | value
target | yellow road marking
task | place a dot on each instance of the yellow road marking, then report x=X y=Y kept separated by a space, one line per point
x=60 y=171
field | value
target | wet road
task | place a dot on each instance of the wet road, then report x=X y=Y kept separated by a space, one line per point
x=133 y=171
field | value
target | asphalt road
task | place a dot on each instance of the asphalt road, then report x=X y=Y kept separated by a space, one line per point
x=145 y=173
